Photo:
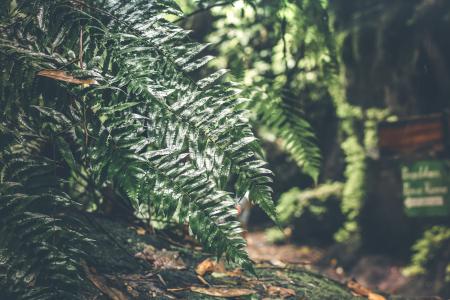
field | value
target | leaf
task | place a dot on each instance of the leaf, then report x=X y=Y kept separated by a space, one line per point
x=278 y=291
x=360 y=290
x=57 y=116
x=64 y=76
x=222 y=292
x=206 y=266
x=295 y=135
x=162 y=259
x=234 y=273
x=373 y=296
x=66 y=153
x=140 y=231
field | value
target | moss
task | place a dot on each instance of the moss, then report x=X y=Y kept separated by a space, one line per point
x=313 y=286
x=274 y=235
x=115 y=261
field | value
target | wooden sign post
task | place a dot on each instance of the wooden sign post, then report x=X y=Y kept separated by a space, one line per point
x=426 y=185
x=421 y=144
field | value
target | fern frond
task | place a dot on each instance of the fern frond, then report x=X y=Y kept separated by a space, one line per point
x=168 y=182
x=126 y=114
x=204 y=114
x=42 y=245
x=285 y=119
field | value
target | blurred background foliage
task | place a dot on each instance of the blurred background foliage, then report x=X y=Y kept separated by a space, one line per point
x=336 y=69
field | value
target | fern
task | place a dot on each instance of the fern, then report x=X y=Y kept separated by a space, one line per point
x=270 y=47
x=285 y=119
x=42 y=244
x=428 y=250
x=106 y=99
x=294 y=202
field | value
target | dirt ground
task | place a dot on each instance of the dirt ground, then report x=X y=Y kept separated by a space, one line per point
x=373 y=271
x=136 y=262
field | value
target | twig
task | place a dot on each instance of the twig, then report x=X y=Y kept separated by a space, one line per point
x=178 y=289
x=203 y=280
x=161 y=279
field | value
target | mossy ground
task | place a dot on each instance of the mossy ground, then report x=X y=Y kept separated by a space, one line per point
x=114 y=263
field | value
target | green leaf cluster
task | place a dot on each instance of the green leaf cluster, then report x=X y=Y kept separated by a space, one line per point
x=277 y=50
x=428 y=250
x=122 y=118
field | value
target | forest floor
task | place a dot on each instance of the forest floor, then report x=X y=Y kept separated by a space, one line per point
x=376 y=272
x=133 y=262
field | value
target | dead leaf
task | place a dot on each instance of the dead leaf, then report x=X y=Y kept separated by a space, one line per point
x=278 y=291
x=234 y=273
x=140 y=231
x=64 y=76
x=162 y=259
x=222 y=292
x=373 y=296
x=277 y=263
x=360 y=290
x=239 y=209
x=174 y=290
x=208 y=266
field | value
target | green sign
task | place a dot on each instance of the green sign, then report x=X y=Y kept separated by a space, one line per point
x=426 y=187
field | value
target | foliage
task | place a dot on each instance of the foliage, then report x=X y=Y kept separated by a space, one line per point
x=274 y=49
x=342 y=48
x=99 y=103
x=294 y=202
x=428 y=250
x=358 y=127
x=42 y=245
x=312 y=214
x=289 y=55
x=369 y=52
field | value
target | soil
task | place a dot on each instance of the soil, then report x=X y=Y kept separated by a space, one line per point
x=343 y=263
x=135 y=263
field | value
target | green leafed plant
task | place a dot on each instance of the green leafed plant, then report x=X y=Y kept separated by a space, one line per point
x=293 y=203
x=428 y=251
x=98 y=102
x=311 y=214
x=274 y=48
